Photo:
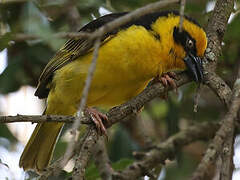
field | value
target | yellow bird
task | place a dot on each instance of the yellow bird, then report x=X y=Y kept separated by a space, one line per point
x=129 y=57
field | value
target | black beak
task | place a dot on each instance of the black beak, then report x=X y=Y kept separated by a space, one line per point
x=194 y=67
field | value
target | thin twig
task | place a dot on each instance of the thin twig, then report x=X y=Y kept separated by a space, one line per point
x=182 y=7
x=25 y=37
x=82 y=103
x=196 y=98
x=106 y=28
x=39 y=118
x=131 y=16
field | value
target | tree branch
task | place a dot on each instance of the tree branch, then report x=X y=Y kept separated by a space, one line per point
x=224 y=132
x=118 y=113
x=39 y=119
x=102 y=161
x=84 y=153
x=167 y=149
x=215 y=31
x=218 y=86
x=226 y=156
x=114 y=115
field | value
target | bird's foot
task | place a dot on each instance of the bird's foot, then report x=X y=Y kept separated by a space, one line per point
x=98 y=118
x=168 y=80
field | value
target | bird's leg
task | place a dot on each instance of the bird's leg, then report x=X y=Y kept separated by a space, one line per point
x=97 y=118
x=167 y=79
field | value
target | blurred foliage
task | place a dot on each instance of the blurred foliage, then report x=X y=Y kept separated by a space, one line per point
x=26 y=60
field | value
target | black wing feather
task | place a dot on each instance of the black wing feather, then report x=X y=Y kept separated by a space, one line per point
x=72 y=49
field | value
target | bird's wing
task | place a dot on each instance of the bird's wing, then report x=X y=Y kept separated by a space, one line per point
x=72 y=49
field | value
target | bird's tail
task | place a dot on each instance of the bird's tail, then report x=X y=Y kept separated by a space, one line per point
x=39 y=149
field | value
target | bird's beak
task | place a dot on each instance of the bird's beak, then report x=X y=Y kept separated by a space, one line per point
x=194 y=67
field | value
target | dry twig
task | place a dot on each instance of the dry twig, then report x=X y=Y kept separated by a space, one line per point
x=38 y=119
x=84 y=96
x=182 y=7
x=66 y=35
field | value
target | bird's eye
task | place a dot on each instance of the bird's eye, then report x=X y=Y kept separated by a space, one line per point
x=189 y=44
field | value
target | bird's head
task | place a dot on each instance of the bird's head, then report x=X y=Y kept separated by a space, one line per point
x=186 y=47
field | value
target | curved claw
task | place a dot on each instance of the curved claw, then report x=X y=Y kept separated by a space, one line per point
x=97 y=118
x=168 y=79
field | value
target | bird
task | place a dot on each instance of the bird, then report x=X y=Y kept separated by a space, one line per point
x=130 y=56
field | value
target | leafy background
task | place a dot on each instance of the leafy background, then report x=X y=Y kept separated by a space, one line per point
x=159 y=119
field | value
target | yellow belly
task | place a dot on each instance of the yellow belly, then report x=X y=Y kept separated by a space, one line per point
x=124 y=68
